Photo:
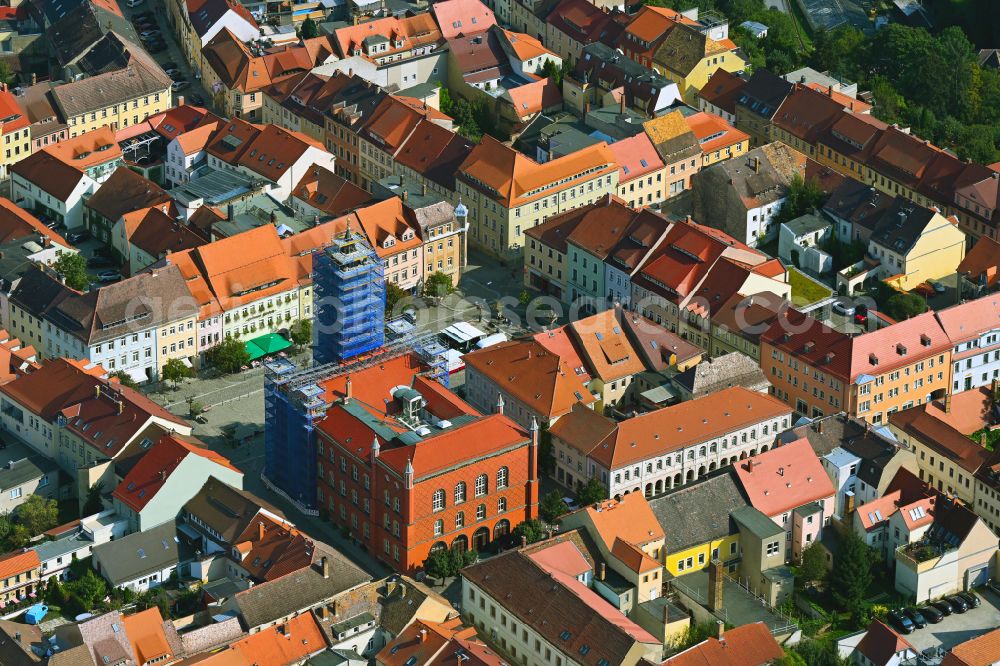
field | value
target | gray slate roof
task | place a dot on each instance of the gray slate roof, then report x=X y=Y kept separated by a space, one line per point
x=299 y=591
x=140 y=78
x=732 y=369
x=140 y=553
x=698 y=513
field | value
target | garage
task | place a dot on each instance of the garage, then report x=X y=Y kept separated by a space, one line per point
x=977 y=577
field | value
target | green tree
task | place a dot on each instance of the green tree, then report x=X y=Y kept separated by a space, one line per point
x=694 y=633
x=54 y=593
x=438 y=564
x=73 y=268
x=550 y=70
x=851 y=574
x=546 y=452
x=93 y=503
x=393 y=294
x=301 y=333
x=124 y=379
x=309 y=29
x=87 y=590
x=438 y=284
x=461 y=559
x=803 y=196
x=815 y=653
x=6 y=73
x=532 y=530
x=174 y=371
x=229 y=355
x=552 y=506
x=902 y=306
x=813 y=565
x=590 y=492
x=37 y=514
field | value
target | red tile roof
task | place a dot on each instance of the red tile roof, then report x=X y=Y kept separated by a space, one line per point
x=157 y=464
x=882 y=643
x=287 y=643
x=535 y=97
x=982 y=262
x=746 y=645
x=15 y=223
x=784 y=478
x=544 y=382
x=146 y=634
x=271 y=548
x=15 y=563
x=722 y=89
x=413 y=31
x=12 y=118
x=982 y=650
x=636 y=157
x=462 y=17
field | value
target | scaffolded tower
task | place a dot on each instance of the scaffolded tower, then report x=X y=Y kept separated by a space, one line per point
x=349 y=302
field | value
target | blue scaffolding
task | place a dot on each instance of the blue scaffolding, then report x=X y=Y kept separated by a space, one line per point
x=294 y=404
x=349 y=300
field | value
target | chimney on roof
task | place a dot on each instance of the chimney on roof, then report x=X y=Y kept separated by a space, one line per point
x=829 y=91
x=602 y=571
x=423 y=188
x=716 y=583
x=755 y=164
x=121 y=406
x=781 y=471
x=324 y=566
x=405 y=195
x=802 y=79
x=500 y=403
x=423 y=635
x=97 y=391
x=849 y=505
x=260 y=531
x=163 y=475
x=720 y=629
x=180 y=100
x=623 y=100
x=947 y=403
x=348 y=390
x=819 y=427
x=34 y=78
x=524 y=541
x=749 y=465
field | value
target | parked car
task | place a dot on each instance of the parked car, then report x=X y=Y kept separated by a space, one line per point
x=931 y=614
x=168 y=65
x=919 y=621
x=176 y=76
x=109 y=276
x=900 y=622
x=943 y=606
x=77 y=236
x=571 y=503
x=937 y=286
x=156 y=47
x=971 y=598
x=177 y=86
x=844 y=307
x=146 y=34
x=958 y=604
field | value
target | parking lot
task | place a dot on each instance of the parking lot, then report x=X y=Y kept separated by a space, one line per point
x=956 y=629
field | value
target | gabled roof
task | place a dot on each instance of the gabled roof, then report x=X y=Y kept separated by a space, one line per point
x=807 y=113
x=226 y=510
x=685 y=46
x=605 y=347
x=747 y=645
x=722 y=90
x=106 y=419
x=563 y=610
x=636 y=157
x=462 y=17
x=140 y=554
x=672 y=137
x=982 y=263
x=152 y=638
x=157 y=464
x=49 y=173
x=881 y=643
x=326 y=191
x=538 y=378
x=126 y=191
x=288 y=643
x=982 y=650
x=17 y=223
x=18 y=563
x=713 y=132
x=412 y=31
x=784 y=478
x=514 y=179
x=698 y=513
x=535 y=97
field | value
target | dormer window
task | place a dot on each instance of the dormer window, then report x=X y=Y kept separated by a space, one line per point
x=388 y=242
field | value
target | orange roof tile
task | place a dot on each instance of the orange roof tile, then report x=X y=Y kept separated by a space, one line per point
x=713 y=132
x=413 y=31
x=16 y=563
x=881 y=643
x=605 y=348
x=458 y=17
x=145 y=633
x=516 y=179
x=982 y=650
x=629 y=519
x=88 y=149
x=288 y=643
x=848 y=102
x=636 y=156
x=535 y=97
x=746 y=645
x=538 y=378
x=525 y=46
x=12 y=118
x=15 y=222
x=784 y=478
